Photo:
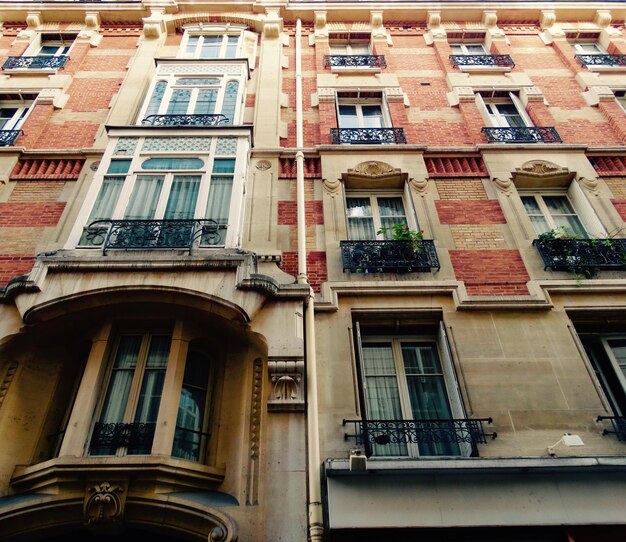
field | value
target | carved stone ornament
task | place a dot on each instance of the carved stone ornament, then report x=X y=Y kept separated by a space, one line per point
x=505 y=185
x=332 y=187
x=536 y=173
x=287 y=377
x=103 y=504
x=539 y=167
x=590 y=184
x=95 y=166
x=420 y=186
x=373 y=169
x=263 y=165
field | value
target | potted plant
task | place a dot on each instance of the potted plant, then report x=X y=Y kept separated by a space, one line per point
x=402 y=232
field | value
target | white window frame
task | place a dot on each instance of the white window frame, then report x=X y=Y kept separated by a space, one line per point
x=441 y=347
x=225 y=35
x=373 y=196
x=488 y=107
x=620 y=98
x=172 y=85
x=43 y=39
x=579 y=47
x=18 y=118
x=352 y=44
x=464 y=48
x=358 y=103
x=545 y=211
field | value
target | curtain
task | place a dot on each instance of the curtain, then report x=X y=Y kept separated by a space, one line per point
x=360 y=219
x=145 y=196
x=533 y=210
x=181 y=204
x=391 y=212
x=564 y=215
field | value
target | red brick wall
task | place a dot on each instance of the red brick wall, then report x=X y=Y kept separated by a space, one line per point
x=620 y=206
x=13 y=265
x=469 y=212
x=288 y=212
x=491 y=272
x=16 y=214
x=316 y=267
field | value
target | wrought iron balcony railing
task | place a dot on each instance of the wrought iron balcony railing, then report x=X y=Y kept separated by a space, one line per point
x=364 y=136
x=436 y=431
x=108 y=437
x=498 y=61
x=153 y=234
x=185 y=120
x=8 y=137
x=582 y=256
x=618 y=424
x=42 y=62
x=355 y=61
x=602 y=60
x=526 y=134
x=388 y=256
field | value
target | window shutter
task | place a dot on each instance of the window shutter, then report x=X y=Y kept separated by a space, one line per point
x=482 y=108
x=452 y=384
x=585 y=211
x=520 y=108
x=413 y=221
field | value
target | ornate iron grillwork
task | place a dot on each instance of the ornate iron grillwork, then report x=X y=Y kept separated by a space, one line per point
x=582 y=256
x=185 y=120
x=153 y=234
x=108 y=437
x=355 y=61
x=602 y=60
x=367 y=135
x=388 y=256
x=8 y=137
x=618 y=424
x=435 y=431
x=43 y=62
x=500 y=61
x=526 y=134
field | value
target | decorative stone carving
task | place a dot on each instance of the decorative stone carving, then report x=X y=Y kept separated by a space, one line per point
x=531 y=94
x=92 y=19
x=320 y=20
x=539 y=167
x=504 y=185
x=590 y=184
x=255 y=416
x=394 y=94
x=434 y=19
x=6 y=381
x=287 y=378
x=95 y=166
x=547 y=19
x=333 y=187
x=490 y=19
x=376 y=21
x=603 y=18
x=263 y=165
x=373 y=169
x=217 y=534
x=273 y=24
x=325 y=94
x=420 y=186
x=535 y=173
x=103 y=504
x=33 y=19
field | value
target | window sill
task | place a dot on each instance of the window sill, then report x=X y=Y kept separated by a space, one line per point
x=30 y=71
x=607 y=69
x=354 y=70
x=485 y=69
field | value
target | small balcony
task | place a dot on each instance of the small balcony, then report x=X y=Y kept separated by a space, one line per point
x=482 y=61
x=470 y=432
x=153 y=234
x=388 y=256
x=8 y=137
x=614 y=61
x=355 y=61
x=526 y=134
x=367 y=136
x=185 y=120
x=107 y=438
x=42 y=62
x=582 y=256
x=618 y=426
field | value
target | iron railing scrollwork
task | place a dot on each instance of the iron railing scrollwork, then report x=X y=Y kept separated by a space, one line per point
x=8 y=137
x=389 y=256
x=355 y=61
x=525 y=134
x=108 y=437
x=42 y=62
x=153 y=234
x=582 y=256
x=618 y=424
x=185 y=120
x=602 y=60
x=499 y=61
x=364 y=136
x=434 y=431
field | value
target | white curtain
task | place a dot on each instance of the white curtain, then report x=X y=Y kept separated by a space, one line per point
x=145 y=196
x=218 y=206
x=360 y=219
x=153 y=377
x=107 y=198
x=181 y=204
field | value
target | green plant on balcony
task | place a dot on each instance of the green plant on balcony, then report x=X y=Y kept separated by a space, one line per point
x=402 y=232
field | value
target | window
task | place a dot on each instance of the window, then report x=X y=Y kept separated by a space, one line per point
x=506 y=111
x=620 y=97
x=468 y=49
x=408 y=375
x=350 y=44
x=552 y=211
x=211 y=46
x=14 y=109
x=366 y=214
x=589 y=49
x=361 y=110
x=195 y=96
x=51 y=44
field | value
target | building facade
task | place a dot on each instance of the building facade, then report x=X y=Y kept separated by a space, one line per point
x=288 y=271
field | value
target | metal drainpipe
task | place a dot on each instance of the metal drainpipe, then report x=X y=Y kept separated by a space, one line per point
x=316 y=525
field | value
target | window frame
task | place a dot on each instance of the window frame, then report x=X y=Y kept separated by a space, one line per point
x=620 y=98
x=223 y=48
x=464 y=48
x=376 y=216
x=496 y=119
x=547 y=215
x=345 y=99
x=63 y=41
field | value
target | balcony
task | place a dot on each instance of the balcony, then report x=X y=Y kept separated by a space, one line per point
x=355 y=61
x=451 y=431
x=618 y=425
x=8 y=137
x=388 y=256
x=43 y=62
x=185 y=120
x=108 y=437
x=365 y=136
x=153 y=234
x=614 y=61
x=481 y=61
x=526 y=134
x=582 y=256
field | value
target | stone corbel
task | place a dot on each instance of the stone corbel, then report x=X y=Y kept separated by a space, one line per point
x=394 y=94
x=90 y=36
x=596 y=94
x=490 y=22
x=603 y=18
x=92 y=19
x=25 y=35
x=154 y=26
x=461 y=94
x=435 y=30
x=272 y=24
x=376 y=20
x=531 y=94
x=320 y=24
x=550 y=30
x=52 y=96
x=34 y=19
x=287 y=383
x=325 y=94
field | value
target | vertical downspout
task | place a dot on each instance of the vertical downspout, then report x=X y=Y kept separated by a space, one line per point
x=316 y=525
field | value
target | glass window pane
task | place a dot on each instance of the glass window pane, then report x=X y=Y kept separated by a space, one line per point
x=230 y=101
x=156 y=98
x=348 y=116
x=618 y=347
x=476 y=49
x=192 y=44
x=205 y=104
x=372 y=116
x=119 y=166
x=224 y=165
x=211 y=46
x=360 y=219
x=107 y=198
x=378 y=359
x=181 y=203
x=172 y=163
x=360 y=49
x=390 y=207
x=179 y=102
x=456 y=49
x=145 y=196
x=231 y=46
x=6 y=117
x=420 y=359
